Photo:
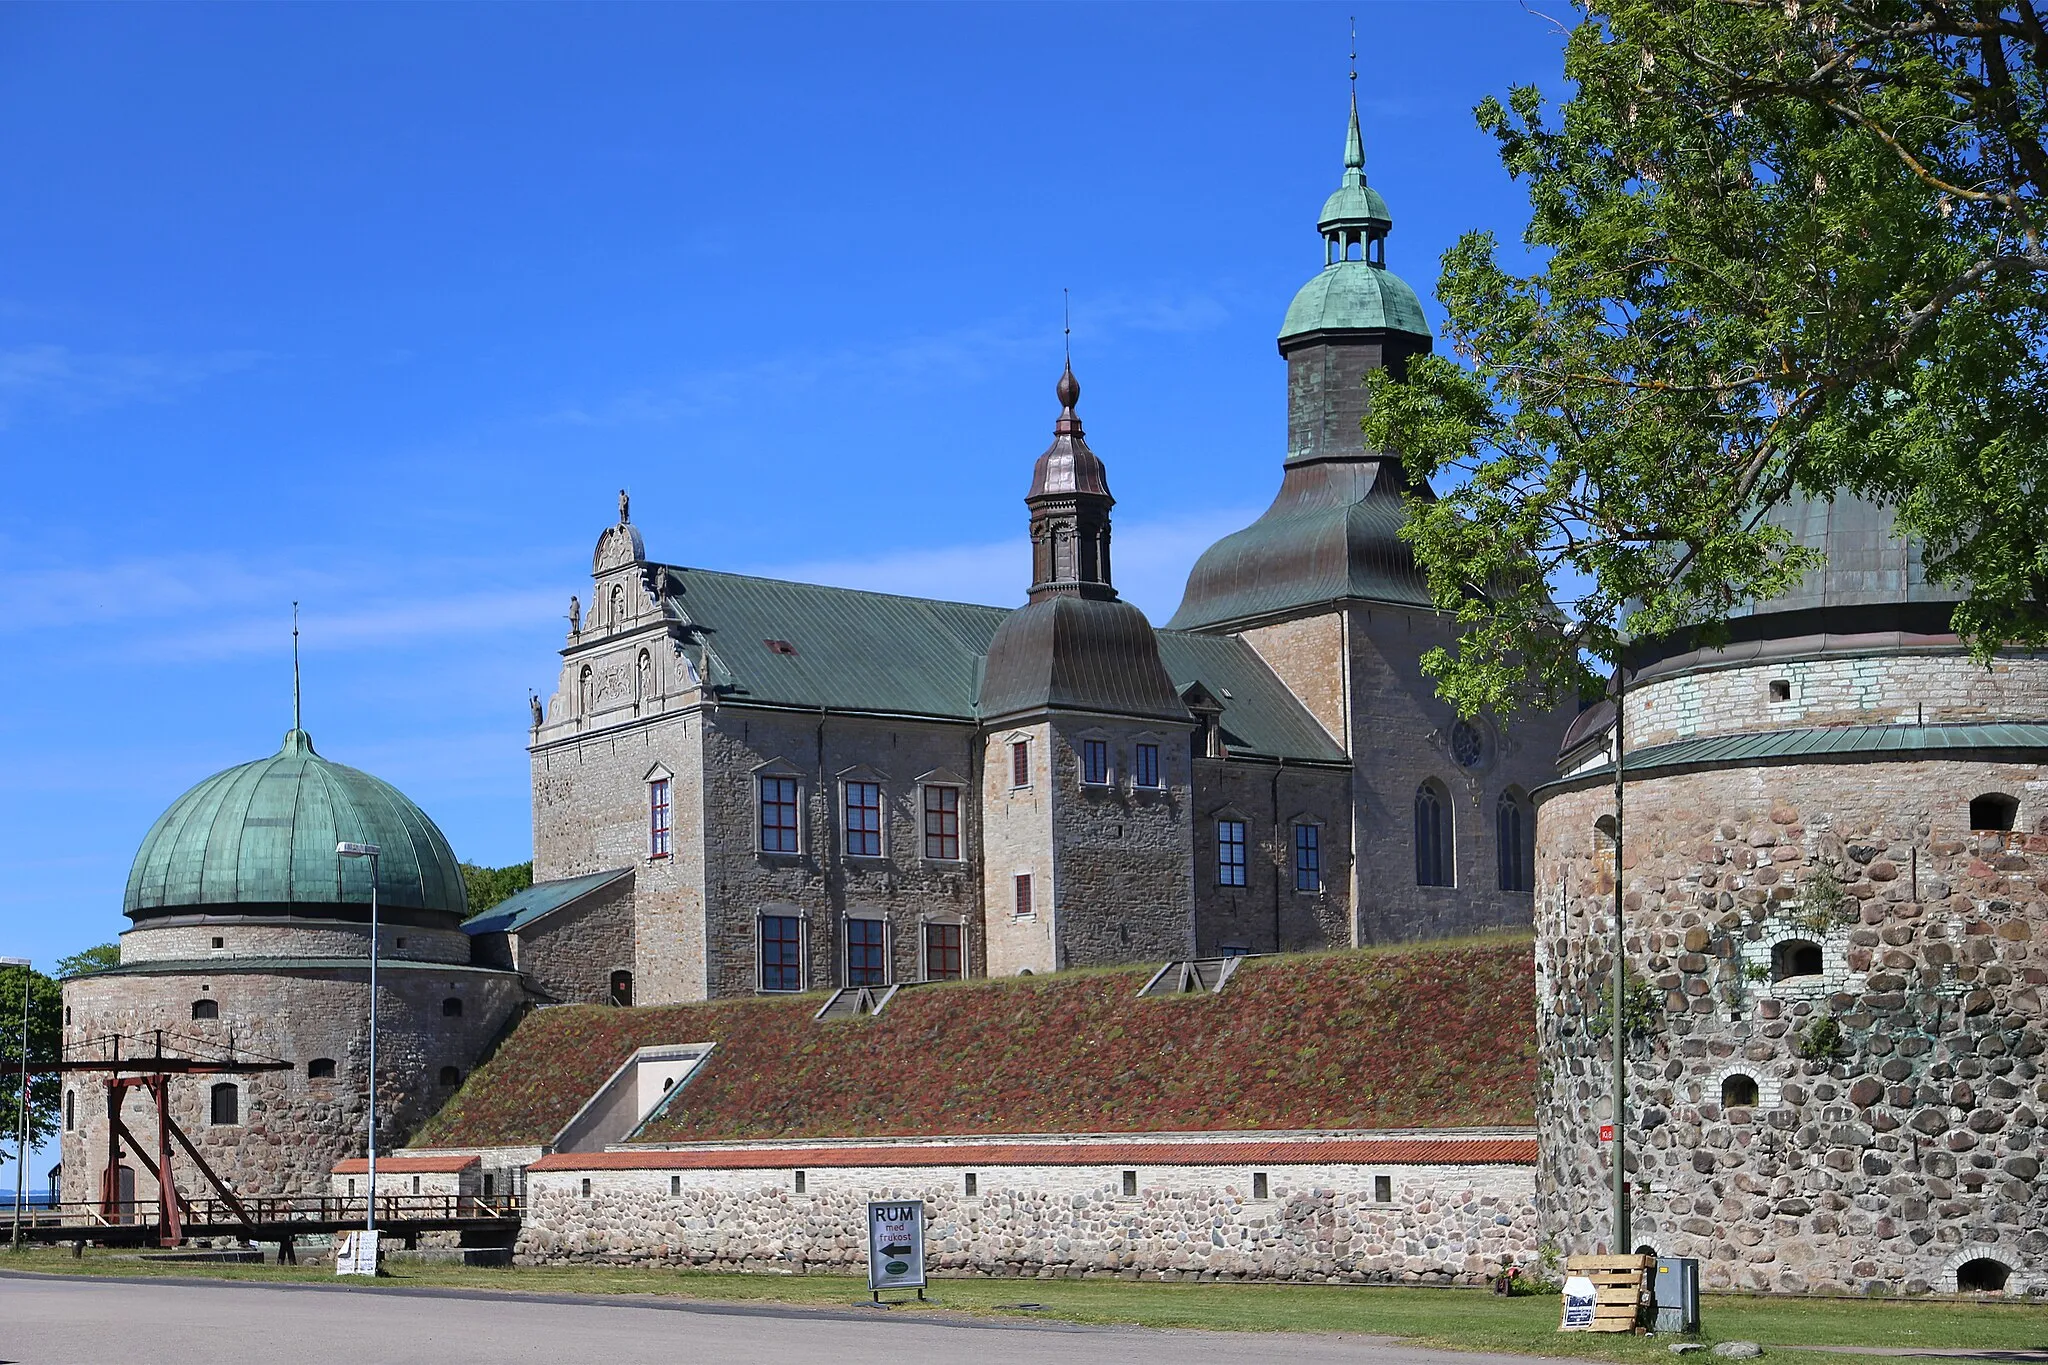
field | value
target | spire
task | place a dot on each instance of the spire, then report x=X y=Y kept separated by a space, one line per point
x=1354 y=141
x=295 y=668
x=1069 y=502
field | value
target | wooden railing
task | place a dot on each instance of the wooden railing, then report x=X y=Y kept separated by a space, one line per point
x=391 y=1208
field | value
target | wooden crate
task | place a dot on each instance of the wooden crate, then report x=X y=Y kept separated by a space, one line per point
x=1618 y=1283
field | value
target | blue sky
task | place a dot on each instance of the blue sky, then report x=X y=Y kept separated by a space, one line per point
x=376 y=307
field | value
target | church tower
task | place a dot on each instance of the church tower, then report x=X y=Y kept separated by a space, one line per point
x=1327 y=592
x=1086 y=771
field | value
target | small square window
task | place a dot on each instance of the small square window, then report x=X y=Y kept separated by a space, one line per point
x=1095 y=761
x=220 y=942
x=1020 y=763
x=864 y=819
x=942 y=952
x=1383 y=1189
x=942 y=824
x=1022 y=908
x=970 y=1185
x=1260 y=1189
x=1145 y=765
x=1230 y=853
x=1781 y=689
x=657 y=818
x=1130 y=1184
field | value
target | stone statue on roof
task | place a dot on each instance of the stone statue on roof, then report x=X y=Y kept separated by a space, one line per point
x=575 y=615
x=625 y=507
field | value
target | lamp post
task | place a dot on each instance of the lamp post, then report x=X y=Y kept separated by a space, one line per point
x=370 y=851
x=21 y=1127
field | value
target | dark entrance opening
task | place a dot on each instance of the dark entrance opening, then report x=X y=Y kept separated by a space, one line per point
x=1795 y=957
x=1982 y=1276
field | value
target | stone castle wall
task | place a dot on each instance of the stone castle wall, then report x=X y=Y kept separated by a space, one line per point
x=1017 y=825
x=1910 y=1146
x=1123 y=856
x=1877 y=689
x=1267 y=914
x=242 y=938
x=569 y=956
x=291 y=1127
x=1442 y=1225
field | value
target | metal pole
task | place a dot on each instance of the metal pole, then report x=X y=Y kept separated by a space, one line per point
x=21 y=1139
x=1619 y=1098
x=371 y=1220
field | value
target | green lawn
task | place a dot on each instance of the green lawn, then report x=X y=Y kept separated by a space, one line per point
x=1456 y=1319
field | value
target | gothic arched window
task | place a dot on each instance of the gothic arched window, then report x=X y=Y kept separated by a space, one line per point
x=1432 y=835
x=1514 y=850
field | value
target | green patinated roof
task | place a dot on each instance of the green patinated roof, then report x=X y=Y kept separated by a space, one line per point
x=882 y=654
x=1853 y=742
x=263 y=834
x=517 y=911
x=1351 y=296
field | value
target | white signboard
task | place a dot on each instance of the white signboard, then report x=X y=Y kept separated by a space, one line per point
x=896 y=1245
x=1579 y=1298
x=355 y=1253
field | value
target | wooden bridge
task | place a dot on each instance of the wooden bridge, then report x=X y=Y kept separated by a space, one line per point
x=480 y=1222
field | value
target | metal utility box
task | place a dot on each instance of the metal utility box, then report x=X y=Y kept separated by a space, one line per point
x=1678 y=1294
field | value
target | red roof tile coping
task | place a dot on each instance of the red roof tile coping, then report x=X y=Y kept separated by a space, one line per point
x=1332 y=1151
x=409 y=1165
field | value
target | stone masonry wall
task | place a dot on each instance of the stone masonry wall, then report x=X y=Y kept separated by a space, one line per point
x=1877 y=1160
x=1267 y=914
x=1444 y=1224
x=1017 y=839
x=241 y=938
x=570 y=955
x=292 y=1127
x=1934 y=689
x=1122 y=855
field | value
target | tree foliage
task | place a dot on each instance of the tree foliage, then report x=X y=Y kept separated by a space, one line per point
x=489 y=885
x=45 y=1038
x=97 y=958
x=1786 y=247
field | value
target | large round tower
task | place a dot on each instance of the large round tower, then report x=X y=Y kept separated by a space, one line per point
x=251 y=938
x=1832 y=863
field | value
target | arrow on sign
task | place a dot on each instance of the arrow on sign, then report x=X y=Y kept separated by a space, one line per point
x=897 y=1249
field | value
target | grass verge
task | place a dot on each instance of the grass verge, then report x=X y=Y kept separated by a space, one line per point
x=1452 y=1319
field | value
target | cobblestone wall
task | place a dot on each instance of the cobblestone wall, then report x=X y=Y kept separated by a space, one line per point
x=1443 y=1224
x=1895 y=1134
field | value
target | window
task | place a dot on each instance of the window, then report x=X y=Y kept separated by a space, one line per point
x=490 y=1184
x=1781 y=689
x=1130 y=1184
x=942 y=952
x=70 y=1110
x=1020 y=763
x=320 y=1069
x=1022 y=907
x=1982 y=1276
x=351 y=1187
x=970 y=1185
x=799 y=1182
x=1795 y=957
x=206 y=1009
x=622 y=988
x=415 y=1184
x=675 y=1185
x=1432 y=841
x=1738 y=1092
x=1260 y=1188
x=1095 y=761
x=864 y=819
x=1308 y=857
x=1383 y=1189
x=1468 y=746
x=1145 y=765
x=227 y=1105
x=942 y=824
x=1993 y=810
x=657 y=818
x=1514 y=851
x=1230 y=853
x=778 y=815
x=867 y=955
x=219 y=942
x=782 y=967
x=586 y=1187
x=451 y=1008
x=450 y=1076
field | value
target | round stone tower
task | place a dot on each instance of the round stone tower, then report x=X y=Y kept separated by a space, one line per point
x=250 y=939
x=1832 y=863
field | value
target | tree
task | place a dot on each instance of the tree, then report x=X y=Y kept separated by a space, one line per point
x=489 y=885
x=45 y=1039
x=1786 y=247
x=97 y=958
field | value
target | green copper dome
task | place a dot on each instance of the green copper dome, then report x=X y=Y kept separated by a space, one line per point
x=1354 y=295
x=260 y=838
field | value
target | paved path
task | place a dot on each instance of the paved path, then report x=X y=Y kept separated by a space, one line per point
x=47 y=1320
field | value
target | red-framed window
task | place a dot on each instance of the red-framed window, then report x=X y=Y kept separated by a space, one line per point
x=782 y=953
x=657 y=818
x=942 y=824
x=778 y=815
x=867 y=952
x=1020 y=763
x=864 y=819
x=1023 y=903
x=942 y=955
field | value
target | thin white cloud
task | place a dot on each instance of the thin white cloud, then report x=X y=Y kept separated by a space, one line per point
x=60 y=379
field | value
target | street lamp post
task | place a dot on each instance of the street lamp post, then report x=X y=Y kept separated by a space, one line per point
x=370 y=851
x=21 y=1126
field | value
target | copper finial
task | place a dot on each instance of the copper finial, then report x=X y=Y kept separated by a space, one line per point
x=1068 y=391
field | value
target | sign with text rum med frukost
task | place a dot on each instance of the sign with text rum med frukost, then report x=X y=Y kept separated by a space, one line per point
x=896 y=1244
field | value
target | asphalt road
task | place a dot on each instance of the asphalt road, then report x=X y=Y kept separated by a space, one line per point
x=53 y=1321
